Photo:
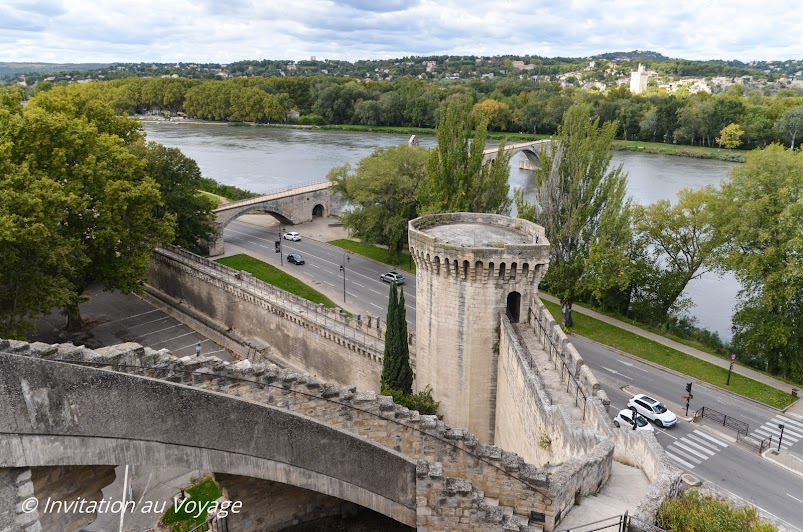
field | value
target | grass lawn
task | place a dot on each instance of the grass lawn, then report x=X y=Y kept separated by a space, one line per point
x=377 y=253
x=276 y=277
x=202 y=491
x=665 y=356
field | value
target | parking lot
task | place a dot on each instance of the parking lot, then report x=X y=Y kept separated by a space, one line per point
x=111 y=318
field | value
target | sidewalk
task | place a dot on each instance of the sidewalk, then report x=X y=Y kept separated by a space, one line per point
x=721 y=362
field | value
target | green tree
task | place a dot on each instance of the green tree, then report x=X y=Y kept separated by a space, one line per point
x=791 y=125
x=760 y=215
x=79 y=147
x=581 y=204
x=679 y=240
x=731 y=136
x=458 y=179
x=383 y=190
x=396 y=371
x=179 y=180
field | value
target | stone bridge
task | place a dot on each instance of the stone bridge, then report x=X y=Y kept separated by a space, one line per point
x=289 y=206
x=531 y=150
x=256 y=421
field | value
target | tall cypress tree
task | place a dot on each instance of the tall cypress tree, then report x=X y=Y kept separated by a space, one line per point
x=396 y=371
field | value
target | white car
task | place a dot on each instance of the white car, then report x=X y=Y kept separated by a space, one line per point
x=625 y=419
x=653 y=410
x=292 y=235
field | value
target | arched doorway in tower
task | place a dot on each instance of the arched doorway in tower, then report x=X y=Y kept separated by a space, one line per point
x=317 y=211
x=514 y=306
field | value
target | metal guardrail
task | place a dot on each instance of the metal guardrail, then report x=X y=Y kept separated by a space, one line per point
x=727 y=421
x=620 y=523
x=213 y=524
x=761 y=444
x=558 y=359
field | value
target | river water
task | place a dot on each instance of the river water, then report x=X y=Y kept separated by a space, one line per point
x=263 y=159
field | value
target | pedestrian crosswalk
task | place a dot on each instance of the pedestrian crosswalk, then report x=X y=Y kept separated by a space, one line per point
x=792 y=431
x=694 y=448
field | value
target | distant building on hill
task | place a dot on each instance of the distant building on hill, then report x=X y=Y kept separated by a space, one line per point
x=638 y=80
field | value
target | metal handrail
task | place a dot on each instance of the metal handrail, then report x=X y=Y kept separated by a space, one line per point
x=727 y=421
x=554 y=355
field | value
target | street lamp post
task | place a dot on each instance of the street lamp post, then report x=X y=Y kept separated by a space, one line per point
x=780 y=426
x=346 y=259
x=730 y=368
x=281 y=255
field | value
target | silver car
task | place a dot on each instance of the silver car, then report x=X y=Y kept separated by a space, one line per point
x=653 y=409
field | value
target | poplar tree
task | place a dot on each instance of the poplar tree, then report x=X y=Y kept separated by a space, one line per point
x=397 y=375
x=458 y=179
x=580 y=202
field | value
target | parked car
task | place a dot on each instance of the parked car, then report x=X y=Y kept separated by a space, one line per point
x=391 y=277
x=292 y=235
x=625 y=419
x=653 y=410
x=295 y=258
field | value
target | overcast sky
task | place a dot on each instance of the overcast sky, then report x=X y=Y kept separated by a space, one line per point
x=223 y=31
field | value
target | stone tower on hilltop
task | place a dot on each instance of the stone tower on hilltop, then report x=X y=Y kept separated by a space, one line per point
x=469 y=269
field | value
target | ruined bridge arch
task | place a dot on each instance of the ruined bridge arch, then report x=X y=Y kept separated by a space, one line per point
x=290 y=207
x=532 y=152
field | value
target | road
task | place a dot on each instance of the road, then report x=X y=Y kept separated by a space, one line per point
x=363 y=287
x=703 y=449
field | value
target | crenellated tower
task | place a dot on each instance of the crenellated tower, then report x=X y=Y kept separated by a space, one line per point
x=470 y=268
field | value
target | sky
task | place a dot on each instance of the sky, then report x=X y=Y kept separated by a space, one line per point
x=224 y=31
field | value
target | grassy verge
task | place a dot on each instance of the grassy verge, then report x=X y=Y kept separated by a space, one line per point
x=669 y=358
x=204 y=492
x=377 y=253
x=681 y=150
x=276 y=277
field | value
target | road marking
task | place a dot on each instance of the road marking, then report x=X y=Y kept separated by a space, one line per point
x=358 y=284
x=795 y=498
x=129 y=317
x=174 y=338
x=148 y=322
x=697 y=445
x=374 y=304
x=788 y=422
x=679 y=460
x=707 y=437
x=617 y=373
x=692 y=451
x=633 y=366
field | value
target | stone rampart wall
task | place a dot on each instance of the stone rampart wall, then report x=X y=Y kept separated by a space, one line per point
x=639 y=449
x=273 y=324
x=544 y=433
x=67 y=484
x=446 y=453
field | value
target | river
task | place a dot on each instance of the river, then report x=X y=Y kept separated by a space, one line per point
x=263 y=159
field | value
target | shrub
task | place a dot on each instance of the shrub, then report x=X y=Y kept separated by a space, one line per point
x=421 y=401
x=692 y=512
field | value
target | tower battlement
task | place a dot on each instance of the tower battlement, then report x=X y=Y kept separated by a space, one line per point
x=471 y=268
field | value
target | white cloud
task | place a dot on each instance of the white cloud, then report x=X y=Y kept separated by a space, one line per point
x=231 y=30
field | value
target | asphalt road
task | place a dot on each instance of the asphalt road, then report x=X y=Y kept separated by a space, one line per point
x=703 y=449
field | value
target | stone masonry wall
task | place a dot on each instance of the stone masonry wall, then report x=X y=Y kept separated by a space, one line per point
x=528 y=423
x=273 y=323
x=68 y=483
x=519 y=489
x=15 y=487
x=269 y=505
x=638 y=448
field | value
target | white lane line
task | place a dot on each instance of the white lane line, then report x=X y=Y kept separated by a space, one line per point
x=679 y=460
x=777 y=432
x=630 y=364
x=174 y=338
x=330 y=284
x=707 y=437
x=617 y=373
x=143 y=335
x=358 y=284
x=148 y=322
x=134 y=316
x=683 y=446
x=374 y=304
x=704 y=443
x=795 y=498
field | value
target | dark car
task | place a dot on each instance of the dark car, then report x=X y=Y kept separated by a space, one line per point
x=295 y=258
x=392 y=277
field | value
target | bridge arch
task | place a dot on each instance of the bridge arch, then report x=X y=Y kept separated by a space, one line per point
x=50 y=415
x=290 y=207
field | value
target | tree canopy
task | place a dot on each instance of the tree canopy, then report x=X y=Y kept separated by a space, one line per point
x=580 y=202
x=760 y=215
x=85 y=198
